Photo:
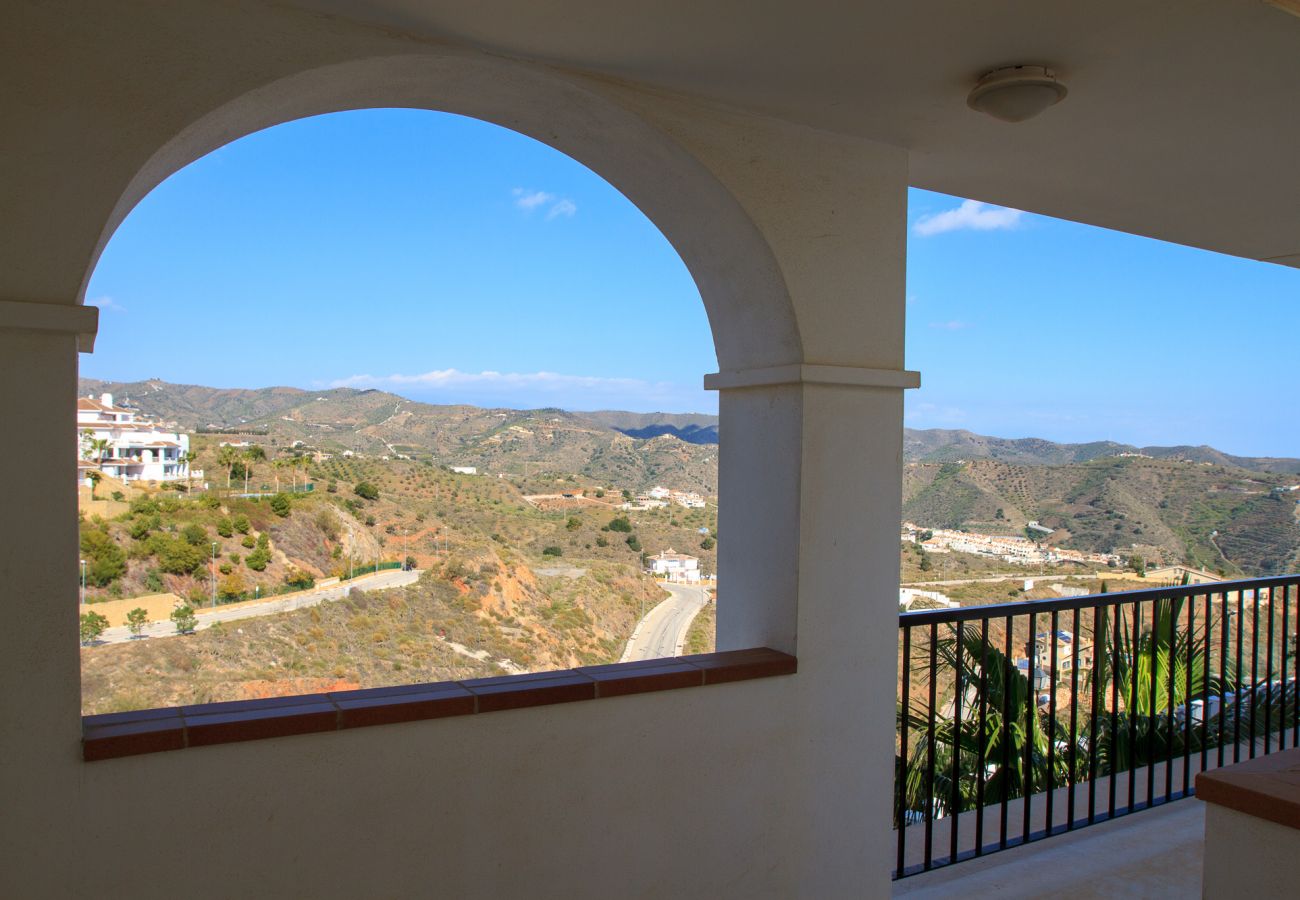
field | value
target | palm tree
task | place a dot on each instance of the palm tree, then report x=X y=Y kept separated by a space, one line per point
x=1148 y=666
x=276 y=466
x=1156 y=670
x=227 y=456
x=188 y=457
x=1151 y=664
x=95 y=479
x=251 y=453
x=1014 y=740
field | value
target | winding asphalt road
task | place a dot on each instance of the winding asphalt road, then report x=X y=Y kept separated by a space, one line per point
x=301 y=600
x=663 y=630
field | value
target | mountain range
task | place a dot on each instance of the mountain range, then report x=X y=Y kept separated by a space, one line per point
x=351 y=412
x=1187 y=504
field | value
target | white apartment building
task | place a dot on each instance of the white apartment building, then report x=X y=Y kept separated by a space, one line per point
x=137 y=448
x=676 y=567
x=688 y=499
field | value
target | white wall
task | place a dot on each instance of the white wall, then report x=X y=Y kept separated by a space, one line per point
x=777 y=787
x=1246 y=856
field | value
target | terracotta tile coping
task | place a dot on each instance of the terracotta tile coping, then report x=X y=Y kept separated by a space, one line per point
x=1267 y=787
x=175 y=728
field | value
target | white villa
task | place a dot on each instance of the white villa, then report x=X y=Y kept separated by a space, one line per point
x=676 y=567
x=137 y=449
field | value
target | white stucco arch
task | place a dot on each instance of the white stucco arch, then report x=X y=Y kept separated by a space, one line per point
x=744 y=293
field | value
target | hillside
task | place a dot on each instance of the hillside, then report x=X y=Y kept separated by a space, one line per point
x=349 y=418
x=1189 y=504
x=520 y=442
x=943 y=445
x=543 y=586
x=1213 y=516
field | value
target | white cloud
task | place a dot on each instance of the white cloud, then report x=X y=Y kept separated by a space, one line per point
x=108 y=304
x=563 y=208
x=529 y=200
x=533 y=389
x=454 y=378
x=971 y=215
x=951 y=325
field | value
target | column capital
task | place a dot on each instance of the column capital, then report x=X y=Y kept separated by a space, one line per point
x=798 y=373
x=23 y=315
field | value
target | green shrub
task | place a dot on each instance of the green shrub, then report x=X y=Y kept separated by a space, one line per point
x=633 y=543
x=194 y=534
x=280 y=505
x=135 y=620
x=184 y=619
x=92 y=626
x=153 y=581
x=249 y=541
x=263 y=541
x=140 y=527
x=225 y=527
x=327 y=524
x=231 y=587
x=241 y=523
x=621 y=524
x=105 y=560
x=552 y=551
x=176 y=556
x=366 y=491
x=258 y=559
x=118 y=496
x=143 y=506
x=601 y=541
x=707 y=544
x=299 y=580
x=573 y=524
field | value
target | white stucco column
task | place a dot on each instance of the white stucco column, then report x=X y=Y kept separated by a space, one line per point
x=811 y=470
x=40 y=704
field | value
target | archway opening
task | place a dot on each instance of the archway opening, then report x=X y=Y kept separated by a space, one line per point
x=389 y=396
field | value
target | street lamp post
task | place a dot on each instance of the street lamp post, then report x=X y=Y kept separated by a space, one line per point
x=212 y=573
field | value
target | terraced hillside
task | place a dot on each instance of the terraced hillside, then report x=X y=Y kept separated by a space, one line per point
x=1213 y=516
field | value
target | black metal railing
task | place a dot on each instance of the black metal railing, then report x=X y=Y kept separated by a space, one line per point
x=1020 y=721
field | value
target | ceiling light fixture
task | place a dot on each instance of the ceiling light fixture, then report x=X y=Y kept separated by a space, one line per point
x=1016 y=93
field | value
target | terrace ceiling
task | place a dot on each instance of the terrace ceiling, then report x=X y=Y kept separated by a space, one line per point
x=1182 y=123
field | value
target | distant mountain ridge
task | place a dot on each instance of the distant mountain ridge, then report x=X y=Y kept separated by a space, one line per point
x=1193 y=504
x=943 y=445
x=196 y=407
x=532 y=442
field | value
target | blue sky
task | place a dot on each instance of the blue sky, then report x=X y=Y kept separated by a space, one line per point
x=449 y=260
